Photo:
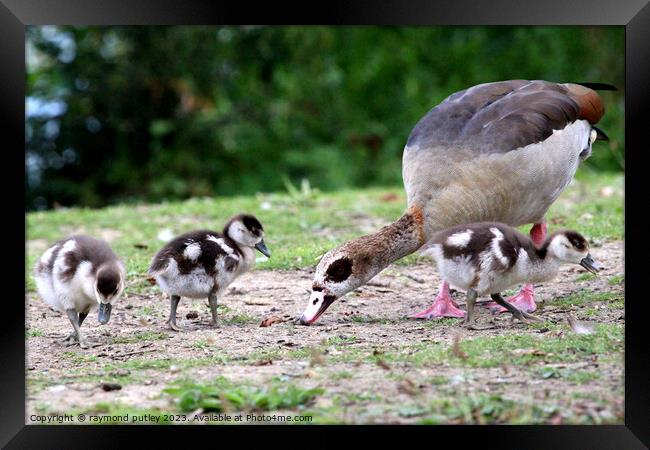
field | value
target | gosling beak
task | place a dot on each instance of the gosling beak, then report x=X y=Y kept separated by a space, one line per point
x=588 y=263
x=104 y=313
x=261 y=246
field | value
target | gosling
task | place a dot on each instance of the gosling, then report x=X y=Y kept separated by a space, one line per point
x=203 y=263
x=77 y=275
x=488 y=257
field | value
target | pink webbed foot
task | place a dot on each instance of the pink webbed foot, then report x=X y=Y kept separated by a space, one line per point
x=523 y=301
x=443 y=306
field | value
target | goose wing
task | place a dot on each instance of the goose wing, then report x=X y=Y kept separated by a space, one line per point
x=502 y=116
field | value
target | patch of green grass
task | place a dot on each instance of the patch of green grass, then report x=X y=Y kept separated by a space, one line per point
x=238 y=319
x=328 y=219
x=201 y=344
x=139 y=336
x=340 y=375
x=616 y=279
x=145 y=311
x=585 y=277
x=78 y=358
x=441 y=323
x=341 y=340
x=369 y=319
x=580 y=376
x=585 y=297
x=33 y=332
x=107 y=413
x=224 y=395
x=485 y=409
x=439 y=380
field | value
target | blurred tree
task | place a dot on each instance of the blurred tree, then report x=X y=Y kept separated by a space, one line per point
x=152 y=113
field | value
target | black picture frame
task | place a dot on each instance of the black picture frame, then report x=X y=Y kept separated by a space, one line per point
x=634 y=15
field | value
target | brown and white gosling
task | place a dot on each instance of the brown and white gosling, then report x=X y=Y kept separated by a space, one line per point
x=488 y=257
x=77 y=275
x=203 y=263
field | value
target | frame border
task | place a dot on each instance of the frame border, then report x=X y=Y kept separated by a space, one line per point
x=634 y=14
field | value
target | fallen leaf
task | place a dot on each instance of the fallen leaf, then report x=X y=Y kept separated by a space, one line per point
x=151 y=280
x=271 y=320
x=264 y=362
x=192 y=315
x=111 y=387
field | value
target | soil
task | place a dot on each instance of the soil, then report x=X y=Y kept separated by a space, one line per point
x=376 y=316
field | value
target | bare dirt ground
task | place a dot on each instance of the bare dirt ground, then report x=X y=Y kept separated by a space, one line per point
x=368 y=356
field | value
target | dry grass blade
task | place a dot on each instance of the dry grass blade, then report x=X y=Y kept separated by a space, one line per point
x=455 y=347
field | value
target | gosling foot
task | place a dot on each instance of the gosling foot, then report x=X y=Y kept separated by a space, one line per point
x=524 y=317
x=171 y=324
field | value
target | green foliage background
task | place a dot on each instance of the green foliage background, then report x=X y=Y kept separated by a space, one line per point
x=125 y=114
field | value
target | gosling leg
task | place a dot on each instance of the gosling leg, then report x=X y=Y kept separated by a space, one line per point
x=470 y=318
x=523 y=316
x=212 y=299
x=76 y=335
x=171 y=322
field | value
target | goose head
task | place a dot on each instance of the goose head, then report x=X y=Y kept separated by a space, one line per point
x=340 y=271
x=354 y=263
x=109 y=286
x=246 y=230
x=571 y=247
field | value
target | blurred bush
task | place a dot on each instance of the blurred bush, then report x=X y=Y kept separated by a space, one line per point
x=152 y=113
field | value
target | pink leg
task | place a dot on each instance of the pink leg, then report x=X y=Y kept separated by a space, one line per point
x=525 y=299
x=443 y=306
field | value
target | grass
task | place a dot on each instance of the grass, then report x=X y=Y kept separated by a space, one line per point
x=142 y=336
x=33 y=332
x=327 y=218
x=448 y=383
x=585 y=297
x=224 y=395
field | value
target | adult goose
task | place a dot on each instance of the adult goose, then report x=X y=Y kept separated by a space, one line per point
x=496 y=152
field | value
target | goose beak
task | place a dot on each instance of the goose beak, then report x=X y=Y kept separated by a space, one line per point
x=261 y=246
x=588 y=263
x=318 y=303
x=104 y=313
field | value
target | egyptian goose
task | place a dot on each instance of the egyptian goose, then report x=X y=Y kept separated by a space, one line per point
x=500 y=152
x=488 y=257
x=203 y=263
x=77 y=275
